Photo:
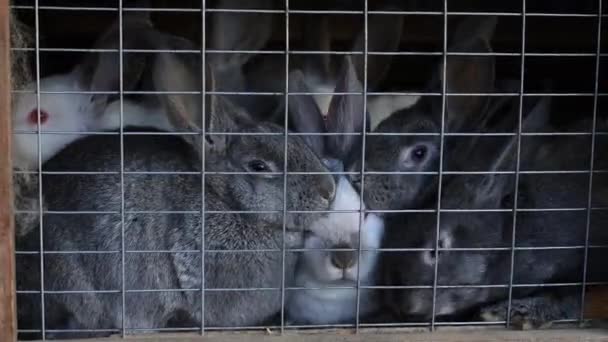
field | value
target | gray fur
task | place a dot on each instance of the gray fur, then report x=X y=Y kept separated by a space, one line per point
x=157 y=231
x=493 y=229
x=394 y=153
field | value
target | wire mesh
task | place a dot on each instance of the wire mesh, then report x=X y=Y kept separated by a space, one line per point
x=289 y=50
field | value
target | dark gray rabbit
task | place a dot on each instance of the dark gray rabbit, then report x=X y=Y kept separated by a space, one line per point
x=416 y=156
x=162 y=273
x=459 y=271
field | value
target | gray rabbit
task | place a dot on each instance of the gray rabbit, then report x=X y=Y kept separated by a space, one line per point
x=165 y=246
x=459 y=271
x=411 y=145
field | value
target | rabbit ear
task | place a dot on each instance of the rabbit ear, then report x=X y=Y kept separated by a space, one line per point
x=538 y=118
x=494 y=187
x=174 y=74
x=238 y=31
x=304 y=112
x=345 y=113
x=384 y=35
x=101 y=71
x=470 y=74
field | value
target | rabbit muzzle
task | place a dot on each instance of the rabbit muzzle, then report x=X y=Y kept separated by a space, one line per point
x=343 y=259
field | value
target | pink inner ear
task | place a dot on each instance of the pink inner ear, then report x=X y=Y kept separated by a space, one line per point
x=32 y=117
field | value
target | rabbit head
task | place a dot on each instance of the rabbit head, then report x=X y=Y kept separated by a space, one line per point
x=72 y=113
x=234 y=142
x=411 y=145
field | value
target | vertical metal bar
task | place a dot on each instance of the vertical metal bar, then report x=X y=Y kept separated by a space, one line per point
x=39 y=175
x=442 y=140
x=592 y=157
x=8 y=309
x=286 y=122
x=518 y=156
x=363 y=133
x=203 y=154
x=122 y=170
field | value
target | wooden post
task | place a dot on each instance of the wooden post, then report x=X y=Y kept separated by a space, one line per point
x=8 y=310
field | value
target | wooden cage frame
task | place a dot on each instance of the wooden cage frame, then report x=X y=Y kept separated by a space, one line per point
x=597 y=301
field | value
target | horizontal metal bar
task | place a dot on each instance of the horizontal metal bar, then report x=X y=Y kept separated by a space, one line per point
x=243 y=93
x=296 y=11
x=304 y=173
x=193 y=212
x=266 y=289
x=302 y=250
x=429 y=134
x=311 y=52
x=296 y=327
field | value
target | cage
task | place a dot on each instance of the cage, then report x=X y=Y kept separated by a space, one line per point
x=306 y=169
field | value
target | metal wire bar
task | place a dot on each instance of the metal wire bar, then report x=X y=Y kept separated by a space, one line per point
x=591 y=161
x=362 y=170
x=203 y=155
x=122 y=170
x=301 y=250
x=196 y=92
x=405 y=134
x=277 y=289
x=39 y=175
x=295 y=11
x=517 y=161
x=312 y=52
x=237 y=173
x=285 y=164
x=278 y=211
x=444 y=89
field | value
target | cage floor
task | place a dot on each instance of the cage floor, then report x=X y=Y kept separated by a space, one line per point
x=392 y=335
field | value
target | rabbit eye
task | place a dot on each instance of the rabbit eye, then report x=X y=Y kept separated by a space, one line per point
x=419 y=153
x=258 y=166
x=32 y=117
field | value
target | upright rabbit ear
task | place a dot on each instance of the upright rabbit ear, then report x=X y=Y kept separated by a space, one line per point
x=470 y=74
x=175 y=75
x=239 y=31
x=101 y=71
x=495 y=187
x=346 y=113
x=539 y=116
x=304 y=113
x=384 y=35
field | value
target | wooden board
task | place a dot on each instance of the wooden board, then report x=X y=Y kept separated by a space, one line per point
x=596 y=303
x=8 y=322
x=450 y=335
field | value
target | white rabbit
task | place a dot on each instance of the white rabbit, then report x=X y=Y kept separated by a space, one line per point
x=72 y=113
x=339 y=229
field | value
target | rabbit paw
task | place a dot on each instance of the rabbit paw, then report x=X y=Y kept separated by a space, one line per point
x=526 y=314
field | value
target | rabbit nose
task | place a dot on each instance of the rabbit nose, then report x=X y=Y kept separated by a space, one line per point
x=343 y=259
